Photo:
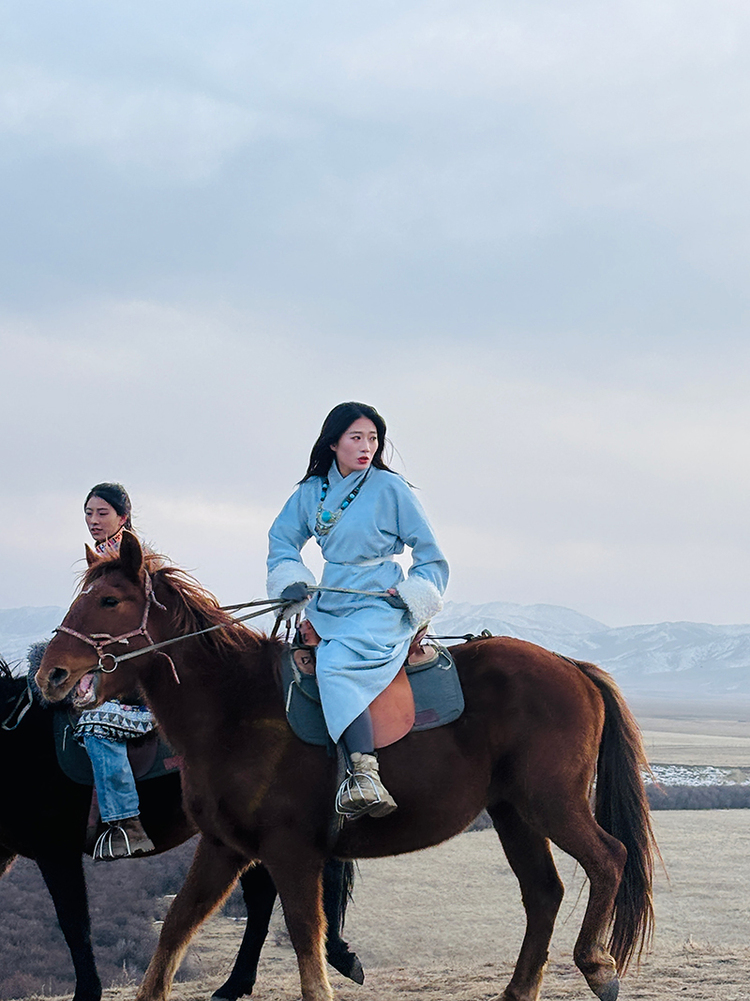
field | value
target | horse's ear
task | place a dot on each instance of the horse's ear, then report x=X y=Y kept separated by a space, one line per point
x=91 y=557
x=131 y=556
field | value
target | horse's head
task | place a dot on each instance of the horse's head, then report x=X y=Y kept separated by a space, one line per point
x=111 y=610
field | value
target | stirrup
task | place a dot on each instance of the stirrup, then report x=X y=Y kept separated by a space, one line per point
x=106 y=850
x=362 y=792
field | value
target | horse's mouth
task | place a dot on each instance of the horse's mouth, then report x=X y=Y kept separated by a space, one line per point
x=83 y=693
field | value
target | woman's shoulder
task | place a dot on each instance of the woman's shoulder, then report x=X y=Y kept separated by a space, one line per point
x=313 y=485
x=392 y=482
x=306 y=491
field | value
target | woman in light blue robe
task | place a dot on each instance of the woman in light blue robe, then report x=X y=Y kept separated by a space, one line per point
x=362 y=515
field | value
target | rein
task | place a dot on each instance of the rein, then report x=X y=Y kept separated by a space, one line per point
x=101 y=640
x=466 y=637
x=25 y=694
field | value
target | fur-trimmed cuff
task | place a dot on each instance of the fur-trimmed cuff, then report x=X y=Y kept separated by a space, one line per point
x=422 y=599
x=288 y=572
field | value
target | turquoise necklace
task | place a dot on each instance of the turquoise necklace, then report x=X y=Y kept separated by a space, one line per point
x=325 y=520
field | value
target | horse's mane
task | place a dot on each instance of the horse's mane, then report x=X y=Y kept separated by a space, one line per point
x=5 y=672
x=10 y=684
x=197 y=608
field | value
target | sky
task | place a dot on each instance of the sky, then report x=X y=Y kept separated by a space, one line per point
x=521 y=230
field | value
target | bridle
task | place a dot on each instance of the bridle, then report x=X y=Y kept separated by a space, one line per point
x=101 y=640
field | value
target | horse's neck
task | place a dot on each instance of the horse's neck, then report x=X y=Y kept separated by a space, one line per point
x=214 y=687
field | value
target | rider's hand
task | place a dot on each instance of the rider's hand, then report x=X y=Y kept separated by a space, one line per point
x=394 y=599
x=296 y=597
x=295 y=592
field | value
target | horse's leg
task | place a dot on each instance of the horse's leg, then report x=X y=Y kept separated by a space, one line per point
x=337 y=880
x=531 y=860
x=297 y=875
x=67 y=886
x=260 y=895
x=602 y=857
x=211 y=877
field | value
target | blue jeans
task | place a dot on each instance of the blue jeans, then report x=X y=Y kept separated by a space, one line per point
x=113 y=778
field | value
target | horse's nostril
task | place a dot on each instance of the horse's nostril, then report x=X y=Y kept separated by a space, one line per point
x=57 y=676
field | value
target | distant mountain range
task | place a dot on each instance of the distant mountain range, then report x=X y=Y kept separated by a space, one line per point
x=685 y=658
x=688 y=659
x=20 y=627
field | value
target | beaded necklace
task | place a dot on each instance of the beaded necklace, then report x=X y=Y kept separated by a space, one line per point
x=110 y=546
x=325 y=520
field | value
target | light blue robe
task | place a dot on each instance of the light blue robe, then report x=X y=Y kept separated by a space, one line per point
x=364 y=641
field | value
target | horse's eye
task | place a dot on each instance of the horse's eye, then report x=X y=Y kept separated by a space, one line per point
x=109 y=601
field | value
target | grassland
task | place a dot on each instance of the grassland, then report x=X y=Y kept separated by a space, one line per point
x=447 y=923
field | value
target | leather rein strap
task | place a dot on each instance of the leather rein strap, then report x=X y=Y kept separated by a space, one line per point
x=101 y=640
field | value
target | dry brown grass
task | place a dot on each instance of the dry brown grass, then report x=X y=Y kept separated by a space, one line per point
x=447 y=923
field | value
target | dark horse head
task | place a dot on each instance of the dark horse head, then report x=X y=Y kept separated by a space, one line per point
x=10 y=689
x=17 y=692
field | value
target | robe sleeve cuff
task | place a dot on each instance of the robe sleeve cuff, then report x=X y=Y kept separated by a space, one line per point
x=422 y=599
x=288 y=572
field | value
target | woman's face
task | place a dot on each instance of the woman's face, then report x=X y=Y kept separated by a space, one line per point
x=102 y=519
x=356 y=446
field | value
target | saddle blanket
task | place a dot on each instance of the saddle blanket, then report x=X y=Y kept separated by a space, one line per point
x=420 y=697
x=150 y=756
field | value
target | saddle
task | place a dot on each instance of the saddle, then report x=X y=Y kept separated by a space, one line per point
x=420 y=697
x=150 y=756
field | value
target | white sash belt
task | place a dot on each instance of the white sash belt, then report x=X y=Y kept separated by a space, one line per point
x=364 y=563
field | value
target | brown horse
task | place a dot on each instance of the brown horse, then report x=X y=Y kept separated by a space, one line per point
x=537 y=730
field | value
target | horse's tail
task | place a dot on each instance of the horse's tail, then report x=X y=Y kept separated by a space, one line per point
x=621 y=809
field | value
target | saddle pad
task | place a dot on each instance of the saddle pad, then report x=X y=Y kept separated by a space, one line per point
x=436 y=690
x=150 y=756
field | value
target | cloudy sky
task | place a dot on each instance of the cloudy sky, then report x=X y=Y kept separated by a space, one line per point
x=519 y=229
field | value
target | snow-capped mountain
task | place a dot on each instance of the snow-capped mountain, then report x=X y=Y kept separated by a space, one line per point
x=689 y=658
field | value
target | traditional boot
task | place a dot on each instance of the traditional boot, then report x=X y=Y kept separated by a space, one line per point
x=362 y=791
x=122 y=839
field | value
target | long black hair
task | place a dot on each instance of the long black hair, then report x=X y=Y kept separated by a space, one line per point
x=335 y=424
x=116 y=495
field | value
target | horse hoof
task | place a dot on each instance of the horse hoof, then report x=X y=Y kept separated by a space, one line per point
x=348 y=965
x=609 y=991
x=357 y=971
